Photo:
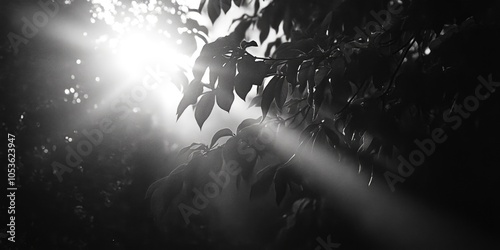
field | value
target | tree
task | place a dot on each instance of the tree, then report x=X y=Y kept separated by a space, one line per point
x=377 y=85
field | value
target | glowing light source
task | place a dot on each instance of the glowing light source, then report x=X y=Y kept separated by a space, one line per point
x=139 y=49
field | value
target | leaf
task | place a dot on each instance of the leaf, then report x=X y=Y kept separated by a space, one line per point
x=202 y=3
x=238 y=2
x=203 y=29
x=240 y=30
x=226 y=5
x=244 y=44
x=225 y=99
x=202 y=37
x=242 y=86
x=326 y=23
x=265 y=179
x=192 y=24
x=250 y=73
x=277 y=14
x=281 y=92
x=256 y=101
x=319 y=96
x=247 y=122
x=370 y=144
x=215 y=69
x=221 y=133
x=310 y=94
x=287 y=23
x=243 y=83
x=210 y=51
x=201 y=63
x=256 y=7
x=193 y=91
x=224 y=91
x=270 y=45
x=320 y=75
x=179 y=80
x=268 y=96
x=226 y=77
x=297 y=49
x=291 y=71
x=214 y=10
x=263 y=26
x=183 y=104
x=303 y=74
x=204 y=108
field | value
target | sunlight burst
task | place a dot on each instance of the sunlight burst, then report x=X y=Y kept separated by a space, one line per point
x=141 y=45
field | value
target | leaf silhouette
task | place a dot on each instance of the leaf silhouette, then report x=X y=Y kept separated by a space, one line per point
x=204 y=108
x=268 y=96
x=221 y=133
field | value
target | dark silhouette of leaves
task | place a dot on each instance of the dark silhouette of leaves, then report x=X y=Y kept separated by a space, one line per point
x=247 y=122
x=225 y=5
x=250 y=73
x=268 y=96
x=190 y=97
x=238 y=2
x=221 y=133
x=214 y=9
x=281 y=92
x=244 y=44
x=204 y=108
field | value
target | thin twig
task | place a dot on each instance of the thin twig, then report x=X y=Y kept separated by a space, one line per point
x=393 y=78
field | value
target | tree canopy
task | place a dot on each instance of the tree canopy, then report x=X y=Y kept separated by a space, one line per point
x=380 y=85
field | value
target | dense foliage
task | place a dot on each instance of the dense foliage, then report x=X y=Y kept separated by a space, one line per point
x=360 y=79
